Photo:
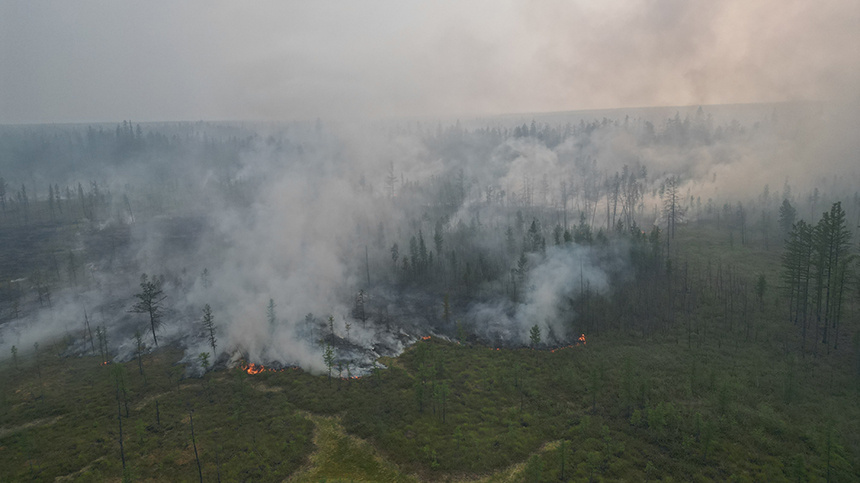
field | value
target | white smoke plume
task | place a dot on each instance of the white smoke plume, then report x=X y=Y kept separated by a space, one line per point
x=563 y=273
x=311 y=211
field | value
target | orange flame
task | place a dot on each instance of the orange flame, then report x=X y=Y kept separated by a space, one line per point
x=252 y=368
x=579 y=341
x=427 y=337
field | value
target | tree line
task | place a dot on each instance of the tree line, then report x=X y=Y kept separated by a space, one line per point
x=817 y=268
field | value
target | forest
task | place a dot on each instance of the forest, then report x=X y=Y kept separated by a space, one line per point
x=653 y=293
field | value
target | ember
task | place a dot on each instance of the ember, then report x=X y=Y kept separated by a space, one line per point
x=258 y=368
x=254 y=368
x=580 y=341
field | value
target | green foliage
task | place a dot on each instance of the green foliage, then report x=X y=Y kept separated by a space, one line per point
x=534 y=335
x=203 y=360
x=534 y=469
x=149 y=302
x=787 y=216
x=209 y=328
x=328 y=359
x=632 y=405
x=476 y=426
x=72 y=432
x=461 y=333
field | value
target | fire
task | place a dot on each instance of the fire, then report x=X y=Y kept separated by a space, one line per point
x=252 y=368
x=579 y=341
x=426 y=337
x=105 y=363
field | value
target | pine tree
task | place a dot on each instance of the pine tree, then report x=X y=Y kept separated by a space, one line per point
x=797 y=273
x=787 y=217
x=437 y=238
x=534 y=240
x=395 y=254
x=834 y=239
x=422 y=253
x=209 y=327
x=534 y=336
x=149 y=302
x=359 y=310
x=671 y=208
x=328 y=358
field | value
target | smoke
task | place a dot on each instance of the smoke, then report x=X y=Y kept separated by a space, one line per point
x=563 y=273
x=218 y=60
x=306 y=216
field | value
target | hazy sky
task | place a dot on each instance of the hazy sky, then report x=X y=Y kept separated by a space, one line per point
x=110 y=60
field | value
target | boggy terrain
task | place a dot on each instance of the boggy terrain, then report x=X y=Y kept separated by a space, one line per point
x=700 y=398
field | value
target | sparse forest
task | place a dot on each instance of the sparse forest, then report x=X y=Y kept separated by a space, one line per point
x=579 y=298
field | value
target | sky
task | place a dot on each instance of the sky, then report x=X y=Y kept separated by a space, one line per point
x=92 y=61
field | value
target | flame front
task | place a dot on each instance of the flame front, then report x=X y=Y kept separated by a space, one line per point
x=579 y=341
x=252 y=368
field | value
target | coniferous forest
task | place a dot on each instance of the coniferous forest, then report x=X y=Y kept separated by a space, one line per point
x=588 y=296
x=387 y=241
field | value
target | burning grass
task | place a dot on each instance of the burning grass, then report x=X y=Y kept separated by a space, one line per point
x=252 y=368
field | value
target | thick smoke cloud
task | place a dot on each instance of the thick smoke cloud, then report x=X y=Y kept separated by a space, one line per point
x=91 y=61
x=308 y=213
x=299 y=219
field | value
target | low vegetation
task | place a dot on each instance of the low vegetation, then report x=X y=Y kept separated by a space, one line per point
x=726 y=405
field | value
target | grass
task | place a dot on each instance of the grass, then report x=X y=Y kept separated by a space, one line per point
x=725 y=406
x=655 y=410
x=343 y=457
x=67 y=425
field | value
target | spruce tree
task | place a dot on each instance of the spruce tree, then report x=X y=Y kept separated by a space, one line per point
x=149 y=302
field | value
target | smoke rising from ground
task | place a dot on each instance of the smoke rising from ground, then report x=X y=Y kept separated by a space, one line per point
x=306 y=215
x=548 y=292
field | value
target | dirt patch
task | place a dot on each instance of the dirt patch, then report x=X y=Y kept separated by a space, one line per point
x=331 y=440
x=265 y=388
x=511 y=473
x=32 y=424
x=340 y=456
x=148 y=400
x=74 y=476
